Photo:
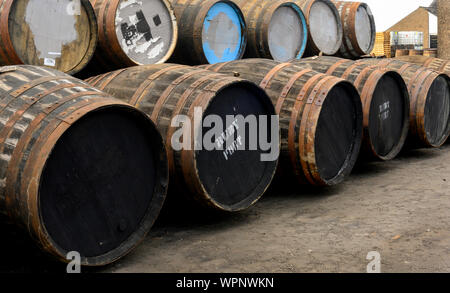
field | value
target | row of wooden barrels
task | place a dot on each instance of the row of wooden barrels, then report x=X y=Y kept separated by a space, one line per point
x=85 y=166
x=104 y=35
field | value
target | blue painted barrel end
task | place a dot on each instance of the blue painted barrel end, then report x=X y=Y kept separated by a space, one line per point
x=224 y=33
x=305 y=28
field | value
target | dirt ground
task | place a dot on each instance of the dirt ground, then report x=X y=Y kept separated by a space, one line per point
x=400 y=209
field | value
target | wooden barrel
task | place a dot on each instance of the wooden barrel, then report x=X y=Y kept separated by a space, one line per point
x=60 y=35
x=430 y=101
x=324 y=26
x=79 y=170
x=415 y=52
x=212 y=31
x=224 y=177
x=430 y=53
x=401 y=52
x=437 y=64
x=276 y=30
x=320 y=118
x=134 y=33
x=359 y=29
x=385 y=102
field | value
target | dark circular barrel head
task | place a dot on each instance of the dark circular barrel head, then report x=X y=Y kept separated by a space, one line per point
x=146 y=30
x=287 y=33
x=389 y=116
x=103 y=185
x=437 y=111
x=339 y=133
x=235 y=179
x=224 y=33
x=325 y=27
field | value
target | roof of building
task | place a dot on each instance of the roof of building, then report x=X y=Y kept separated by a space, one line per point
x=433 y=8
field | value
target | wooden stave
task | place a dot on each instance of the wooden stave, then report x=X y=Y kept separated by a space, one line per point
x=33 y=85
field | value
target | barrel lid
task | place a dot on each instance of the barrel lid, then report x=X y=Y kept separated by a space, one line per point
x=365 y=28
x=223 y=33
x=146 y=30
x=236 y=178
x=288 y=33
x=57 y=34
x=325 y=26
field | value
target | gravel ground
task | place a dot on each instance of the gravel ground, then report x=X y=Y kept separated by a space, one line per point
x=400 y=209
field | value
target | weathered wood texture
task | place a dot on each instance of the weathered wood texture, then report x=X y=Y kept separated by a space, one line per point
x=211 y=31
x=324 y=26
x=444 y=29
x=430 y=101
x=133 y=33
x=359 y=29
x=320 y=118
x=227 y=181
x=385 y=102
x=276 y=29
x=60 y=35
x=437 y=64
x=79 y=170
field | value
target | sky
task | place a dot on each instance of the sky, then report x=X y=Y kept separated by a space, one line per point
x=389 y=12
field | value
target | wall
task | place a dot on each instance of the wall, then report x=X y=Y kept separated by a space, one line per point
x=418 y=21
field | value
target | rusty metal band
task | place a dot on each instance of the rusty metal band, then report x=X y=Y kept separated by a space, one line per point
x=412 y=81
x=138 y=95
x=336 y=65
x=404 y=68
x=3 y=13
x=445 y=63
x=363 y=74
x=93 y=81
x=288 y=88
x=349 y=70
x=105 y=82
x=111 y=33
x=272 y=73
x=429 y=61
x=165 y=95
x=218 y=67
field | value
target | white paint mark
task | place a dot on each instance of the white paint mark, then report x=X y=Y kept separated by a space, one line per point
x=51 y=25
x=156 y=51
x=49 y=62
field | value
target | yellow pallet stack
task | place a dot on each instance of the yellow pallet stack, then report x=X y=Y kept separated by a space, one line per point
x=382 y=45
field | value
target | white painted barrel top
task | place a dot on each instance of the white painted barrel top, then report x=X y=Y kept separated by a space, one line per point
x=223 y=33
x=145 y=30
x=324 y=28
x=49 y=33
x=287 y=34
x=364 y=28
